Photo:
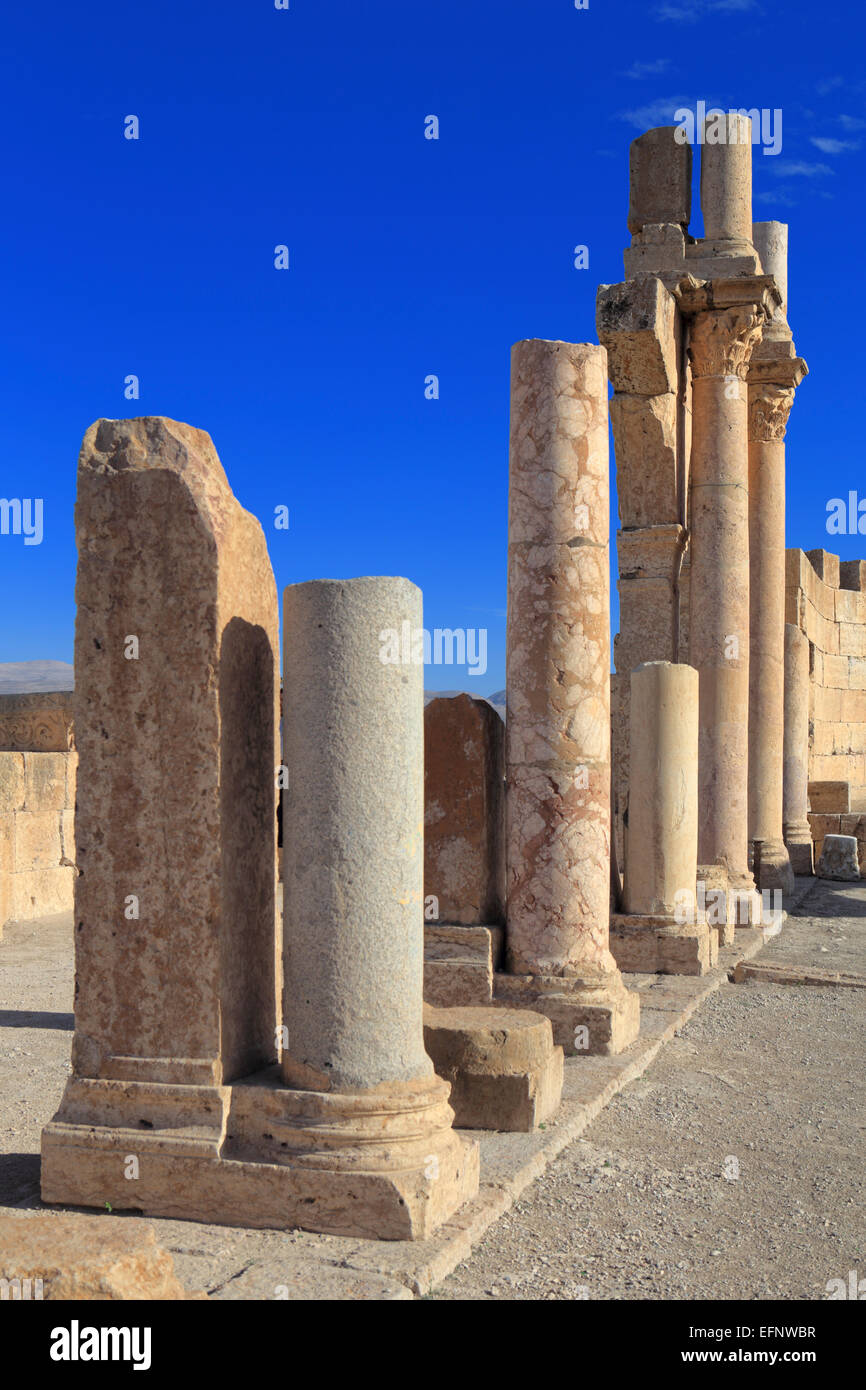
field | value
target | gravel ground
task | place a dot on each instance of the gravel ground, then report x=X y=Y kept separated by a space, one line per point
x=732 y=1169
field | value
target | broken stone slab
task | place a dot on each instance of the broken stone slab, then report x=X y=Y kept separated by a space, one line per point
x=72 y=1256
x=464 y=810
x=839 y=858
x=504 y=1070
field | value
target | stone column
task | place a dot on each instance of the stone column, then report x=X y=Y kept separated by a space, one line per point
x=558 y=683
x=726 y=185
x=726 y=325
x=176 y=675
x=774 y=372
x=658 y=929
x=795 y=803
x=353 y=874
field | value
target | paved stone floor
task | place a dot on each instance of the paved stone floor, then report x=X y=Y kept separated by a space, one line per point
x=724 y=1162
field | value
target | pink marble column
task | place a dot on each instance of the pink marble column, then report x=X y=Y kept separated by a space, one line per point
x=558 y=694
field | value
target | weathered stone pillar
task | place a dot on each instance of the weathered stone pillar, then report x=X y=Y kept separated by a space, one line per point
x=726 y=184
x=795 y=804
x=658 y=928
x=774 y=372
x=558 y=682
x=726 y=325
x=176 y=674
x=353 y=874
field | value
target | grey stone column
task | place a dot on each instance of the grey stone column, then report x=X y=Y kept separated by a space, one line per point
x=795 y=796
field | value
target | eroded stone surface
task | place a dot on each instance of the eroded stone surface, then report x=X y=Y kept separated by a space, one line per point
x=839 y=858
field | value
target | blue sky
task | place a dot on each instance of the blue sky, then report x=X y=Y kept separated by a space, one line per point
x=408 y=257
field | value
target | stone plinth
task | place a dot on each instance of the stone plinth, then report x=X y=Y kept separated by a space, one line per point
x=558 y=682
x=839 y=858
x=501 y=1064
x=662 y=839
x=459 y=964
x=464 y=811
x=71 y=1257
x=795 y=780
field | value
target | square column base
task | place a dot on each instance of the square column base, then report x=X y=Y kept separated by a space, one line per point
x=586 y=1019
x=383 y=1164
x=656 y=944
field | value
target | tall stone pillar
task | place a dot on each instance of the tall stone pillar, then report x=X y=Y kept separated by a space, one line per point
x=727 y=317
x=558 y=683
x=176 y=681
x=774 y=372
x=795 y=796
x=658 y=929
x=353 y=874
x=726 y=186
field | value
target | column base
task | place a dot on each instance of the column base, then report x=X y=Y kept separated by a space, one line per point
x=800 y=849
x=380 y=1164
x=658 y=945
x=459 y=962
x=501 y=1064
x=587 y=1017
x=777 y=874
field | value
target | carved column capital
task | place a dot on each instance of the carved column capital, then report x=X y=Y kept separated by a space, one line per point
x=722 y=340
x=769 y=408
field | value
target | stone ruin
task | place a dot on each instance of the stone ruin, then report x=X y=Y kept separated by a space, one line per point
x=265 y=1068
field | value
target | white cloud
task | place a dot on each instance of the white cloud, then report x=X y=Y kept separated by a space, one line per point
x=852 y=123
x=660 y=112
x=829 y=146
x=792 y=168
x=640 y=70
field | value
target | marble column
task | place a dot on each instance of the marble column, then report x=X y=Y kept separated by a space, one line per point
x=795 y=793
x=658 y=929
x=558 y=683
x=727 y=318
x=774 y=372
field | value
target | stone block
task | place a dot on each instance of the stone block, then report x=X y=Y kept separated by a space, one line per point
x=636 y=322
x=501 y=1064
x=37 y=722
x=459 y=962
x=659 y=249
x=852 y=575
x=839 y=858
x=45 y=781
x=852 y=639
x=660 y=179
x=835 y=673
x=12 y=782
x=72 y=1257
x=36 y=841
x=586 y=1021
x=825 y=565
x=40 y=893
x=833 y=797
x=655 y=945
x=850 y=606
x=645 y=440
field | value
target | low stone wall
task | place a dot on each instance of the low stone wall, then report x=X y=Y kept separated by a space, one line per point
x=37 y=802
x=826 y=600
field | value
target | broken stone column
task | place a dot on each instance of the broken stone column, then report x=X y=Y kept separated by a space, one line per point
x=795 y=795
x=364 y=1099
x=774 y=372
x=726 y=184
x=839 y=858
x=658 y=929
x=726 y=321
x=558 y=683
x=176 y=674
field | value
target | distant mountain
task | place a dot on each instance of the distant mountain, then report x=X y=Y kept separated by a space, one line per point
x=34 y=677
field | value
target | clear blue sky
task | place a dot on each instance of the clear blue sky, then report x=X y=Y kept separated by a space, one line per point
x=408 y=256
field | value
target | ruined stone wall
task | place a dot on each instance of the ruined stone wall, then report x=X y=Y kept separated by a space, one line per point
x=37 y=800
x=827 y=601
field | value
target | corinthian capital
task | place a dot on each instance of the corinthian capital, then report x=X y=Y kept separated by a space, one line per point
x=769 y=408
x=722 y=340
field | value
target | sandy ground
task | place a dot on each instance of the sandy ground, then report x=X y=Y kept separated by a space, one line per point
x=733 y=1168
